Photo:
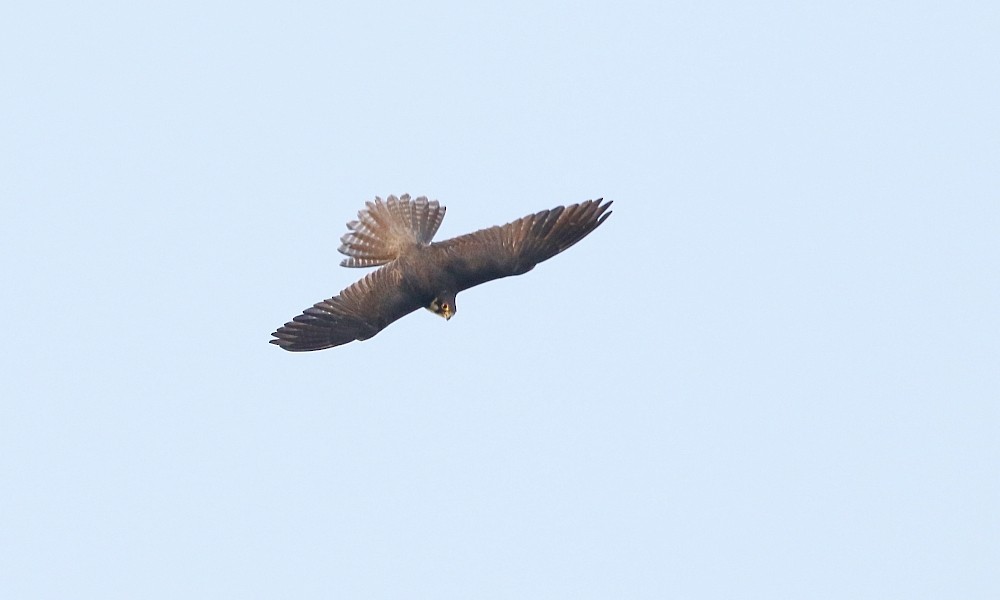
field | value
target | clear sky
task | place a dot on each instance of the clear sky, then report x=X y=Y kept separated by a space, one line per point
x=773 y=373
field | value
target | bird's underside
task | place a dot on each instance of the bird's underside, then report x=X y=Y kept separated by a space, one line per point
x=395 y=235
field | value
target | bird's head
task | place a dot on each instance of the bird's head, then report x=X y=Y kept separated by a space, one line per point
x=444 y=305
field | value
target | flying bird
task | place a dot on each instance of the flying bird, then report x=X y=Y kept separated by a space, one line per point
x=414 y=272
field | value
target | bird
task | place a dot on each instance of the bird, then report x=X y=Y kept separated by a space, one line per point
x=414 y=272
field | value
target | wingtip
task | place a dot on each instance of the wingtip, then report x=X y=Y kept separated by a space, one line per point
x=603 y=210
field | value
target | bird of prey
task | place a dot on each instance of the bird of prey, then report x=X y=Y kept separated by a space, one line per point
x=414 y=273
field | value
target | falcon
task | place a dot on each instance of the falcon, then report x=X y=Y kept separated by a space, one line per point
x=395 y=235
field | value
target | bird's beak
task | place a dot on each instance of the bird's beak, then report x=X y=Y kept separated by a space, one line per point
x=448 y=314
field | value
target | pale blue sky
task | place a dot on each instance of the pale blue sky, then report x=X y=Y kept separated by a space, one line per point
x=773 y=373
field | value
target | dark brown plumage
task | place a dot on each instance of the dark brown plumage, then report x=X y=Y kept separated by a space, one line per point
x=415 y=273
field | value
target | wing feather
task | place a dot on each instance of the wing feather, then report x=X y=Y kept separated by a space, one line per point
x=357 y=313
x=518 y=246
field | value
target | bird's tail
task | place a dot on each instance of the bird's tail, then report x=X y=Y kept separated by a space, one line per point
x=384 y=229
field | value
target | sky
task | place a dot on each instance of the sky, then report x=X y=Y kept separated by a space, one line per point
x=772 y=373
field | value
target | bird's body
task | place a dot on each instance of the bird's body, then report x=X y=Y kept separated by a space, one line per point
x=414 y=273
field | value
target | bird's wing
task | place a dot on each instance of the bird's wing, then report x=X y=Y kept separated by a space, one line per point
x=516 y=247
x=357 y=313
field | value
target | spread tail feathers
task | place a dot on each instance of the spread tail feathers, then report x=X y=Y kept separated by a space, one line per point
x=384 y=229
